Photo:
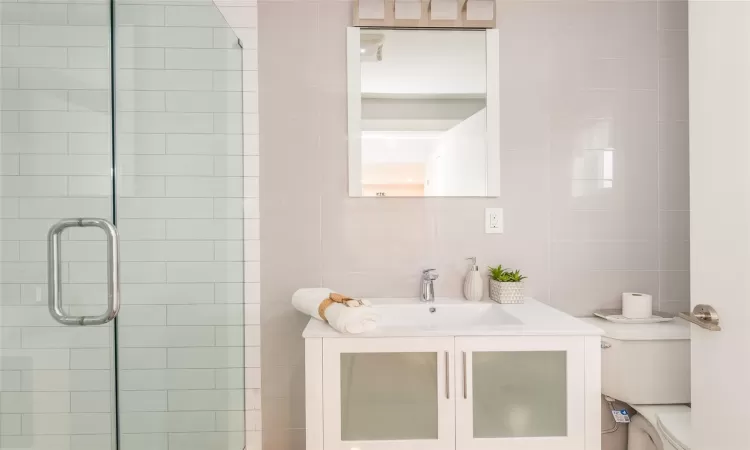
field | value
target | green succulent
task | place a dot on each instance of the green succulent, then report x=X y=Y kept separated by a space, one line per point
x=505 y=275
x=496 y=272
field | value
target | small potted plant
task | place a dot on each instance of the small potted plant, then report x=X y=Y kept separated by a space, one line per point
x=506 y=286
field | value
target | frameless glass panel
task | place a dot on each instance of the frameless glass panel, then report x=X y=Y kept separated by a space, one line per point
x=389 y=396
x=519 y=394
x=180 y=212
x=56 y=381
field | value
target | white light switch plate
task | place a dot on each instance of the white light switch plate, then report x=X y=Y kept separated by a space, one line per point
x=493 y=220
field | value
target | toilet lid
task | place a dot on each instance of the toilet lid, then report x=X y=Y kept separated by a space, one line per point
x=675 y=426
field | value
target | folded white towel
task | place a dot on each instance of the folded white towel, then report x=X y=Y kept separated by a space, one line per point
x=344 y=319
x=308 y=300
x=351 y=320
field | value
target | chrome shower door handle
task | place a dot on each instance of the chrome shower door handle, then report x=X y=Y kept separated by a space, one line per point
x=54 y=272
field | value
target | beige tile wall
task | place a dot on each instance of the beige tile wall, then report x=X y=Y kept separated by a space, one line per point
x=569 y=70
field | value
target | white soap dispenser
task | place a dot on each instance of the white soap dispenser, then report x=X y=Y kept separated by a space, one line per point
x=473 y=285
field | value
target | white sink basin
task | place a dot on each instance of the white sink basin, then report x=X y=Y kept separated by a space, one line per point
x=443 y=314
x=405 y=317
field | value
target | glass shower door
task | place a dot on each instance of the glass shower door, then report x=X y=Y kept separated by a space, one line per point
x=56 y=380
x=168 y=372
x=179 y=162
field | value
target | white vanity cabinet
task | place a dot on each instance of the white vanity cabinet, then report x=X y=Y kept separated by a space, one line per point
x=520 y=393
x=458 y=392
x=389 y=394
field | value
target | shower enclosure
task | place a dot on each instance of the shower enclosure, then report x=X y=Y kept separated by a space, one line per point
x=121 y=226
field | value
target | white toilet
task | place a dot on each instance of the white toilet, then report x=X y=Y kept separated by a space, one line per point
x=648 y=367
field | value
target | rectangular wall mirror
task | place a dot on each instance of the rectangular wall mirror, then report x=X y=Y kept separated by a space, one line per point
x=423 y=113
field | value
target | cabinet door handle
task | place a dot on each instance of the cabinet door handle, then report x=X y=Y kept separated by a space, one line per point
x=465 y=382
x=447 y=376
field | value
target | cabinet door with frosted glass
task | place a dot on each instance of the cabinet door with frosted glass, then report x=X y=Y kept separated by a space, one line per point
x=520 y=393
x=394 y=394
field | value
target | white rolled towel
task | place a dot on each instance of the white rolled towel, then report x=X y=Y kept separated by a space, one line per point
x=344 y=319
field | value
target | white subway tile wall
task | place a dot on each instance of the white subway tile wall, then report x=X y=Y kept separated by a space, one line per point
x=182 y=331
x=177 y=347
x=242 y=17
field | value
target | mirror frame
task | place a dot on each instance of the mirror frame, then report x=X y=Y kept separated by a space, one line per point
x=354 y=103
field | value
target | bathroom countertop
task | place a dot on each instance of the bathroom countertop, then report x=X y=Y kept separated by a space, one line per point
x=407 y=317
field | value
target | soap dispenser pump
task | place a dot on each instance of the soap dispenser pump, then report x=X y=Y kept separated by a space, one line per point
x=473 y=285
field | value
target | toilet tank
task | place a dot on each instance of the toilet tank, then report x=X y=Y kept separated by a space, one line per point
x=646 y=364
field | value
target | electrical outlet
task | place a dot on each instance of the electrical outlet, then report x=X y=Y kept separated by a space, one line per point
x=493 y=220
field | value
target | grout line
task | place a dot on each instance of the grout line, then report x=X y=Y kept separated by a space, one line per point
x=658 y=154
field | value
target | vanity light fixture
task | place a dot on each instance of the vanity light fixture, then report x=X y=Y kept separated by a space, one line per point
x=370 y=10
x=444 y=9
x=408 y=9
x=425 y=13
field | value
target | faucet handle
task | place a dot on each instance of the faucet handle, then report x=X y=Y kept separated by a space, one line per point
x=429 y=274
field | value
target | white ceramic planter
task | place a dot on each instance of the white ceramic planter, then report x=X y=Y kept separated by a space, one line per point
x=507 y=292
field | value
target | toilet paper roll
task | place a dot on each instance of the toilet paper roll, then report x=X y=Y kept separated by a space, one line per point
x=636 y=305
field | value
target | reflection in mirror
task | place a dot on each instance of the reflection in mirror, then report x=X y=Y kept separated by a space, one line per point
x=418 y=106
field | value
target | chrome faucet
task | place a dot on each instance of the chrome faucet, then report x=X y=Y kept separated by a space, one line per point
x=428 y=289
